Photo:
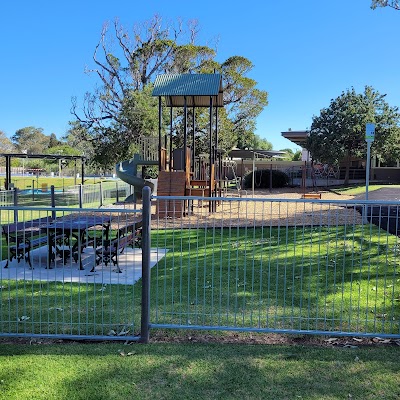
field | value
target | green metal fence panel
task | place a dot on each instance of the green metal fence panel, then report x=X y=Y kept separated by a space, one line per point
x=252 y=264
x=277 y=265
x=89 y=196
x=70 y=277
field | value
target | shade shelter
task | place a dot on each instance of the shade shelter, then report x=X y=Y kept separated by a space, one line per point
x=247 y=154
x=191 y=91
x=9 y=156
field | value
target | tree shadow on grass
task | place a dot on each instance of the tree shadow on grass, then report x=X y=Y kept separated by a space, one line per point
x=171 y=371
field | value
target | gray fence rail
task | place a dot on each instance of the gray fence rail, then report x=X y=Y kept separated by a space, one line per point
x=276 y=265
x=260 y=264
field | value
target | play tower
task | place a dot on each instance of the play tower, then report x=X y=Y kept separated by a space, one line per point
x=182 y=172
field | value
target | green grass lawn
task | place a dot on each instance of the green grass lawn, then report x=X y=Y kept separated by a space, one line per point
x=197 y=371
x=26 y=182
x=356 y=190
x=302 y=278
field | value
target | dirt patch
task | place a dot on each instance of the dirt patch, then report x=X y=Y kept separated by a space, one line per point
x=240 y=338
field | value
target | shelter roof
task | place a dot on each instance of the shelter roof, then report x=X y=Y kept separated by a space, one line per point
x=42 y=156
x=197 y=88
x=245 y=154
x=296 y=137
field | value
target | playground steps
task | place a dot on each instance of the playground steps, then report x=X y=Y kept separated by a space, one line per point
x=171 y=184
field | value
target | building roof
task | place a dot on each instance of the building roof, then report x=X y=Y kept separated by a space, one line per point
x=297 y=137
x=197 y=88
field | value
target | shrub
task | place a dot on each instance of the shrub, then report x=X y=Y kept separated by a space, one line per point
x=261 y=179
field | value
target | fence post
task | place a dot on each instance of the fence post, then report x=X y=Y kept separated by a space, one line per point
x=15 y=204
x=53 y=202
x=80 y=195
x=146 y=244
x=101 y=194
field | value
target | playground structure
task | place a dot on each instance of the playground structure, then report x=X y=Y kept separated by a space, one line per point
x=181 y=171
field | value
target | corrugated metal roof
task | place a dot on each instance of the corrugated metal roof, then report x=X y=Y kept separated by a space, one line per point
x=248 y=154
x=198 y=88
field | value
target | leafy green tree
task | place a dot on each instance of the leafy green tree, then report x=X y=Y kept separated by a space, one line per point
x=30 y=139
x=297 y=156
x=386 y=3
x=122 y=108
x=288 y=156
x=6 y=145
x=338 y=133
x=53 y=141
x=291 y=155
x=61 y=149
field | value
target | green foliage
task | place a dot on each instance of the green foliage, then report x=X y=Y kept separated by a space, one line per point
x=122 y=108
x=290 y=155
x=386 y=3
x=297 y=156
x=262 y=179
x=338 y=133
x=30 y=139
x=53 y=141
x=252 y=141
x=6 y=145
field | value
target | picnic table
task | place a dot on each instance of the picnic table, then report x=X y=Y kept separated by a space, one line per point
x=75 y=228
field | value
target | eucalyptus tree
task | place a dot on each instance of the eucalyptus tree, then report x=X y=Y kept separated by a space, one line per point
x=6 y=145
x=338 y=133
x=121 y=108
x=31 y=140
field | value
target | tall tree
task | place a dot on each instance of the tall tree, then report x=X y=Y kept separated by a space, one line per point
x=122 y=109
x=338 y=133
x=6 y=145
x=386 y=3
x=31 y=139
x=53 y=141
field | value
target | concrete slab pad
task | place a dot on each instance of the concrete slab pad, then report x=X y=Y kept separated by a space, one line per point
x=130 y=263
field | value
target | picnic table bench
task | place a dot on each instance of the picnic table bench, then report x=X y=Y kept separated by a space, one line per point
x=23 y=237
x=108 y=250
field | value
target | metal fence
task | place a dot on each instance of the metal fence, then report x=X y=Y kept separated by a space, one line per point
x=6 y=198
x=275 y=265
x=71 y=275
x=87 y=196
x=259 y=264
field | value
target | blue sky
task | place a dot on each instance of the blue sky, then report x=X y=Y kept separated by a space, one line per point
x=304 y=53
